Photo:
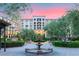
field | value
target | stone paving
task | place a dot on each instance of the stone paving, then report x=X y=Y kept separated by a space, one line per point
x=57 y=51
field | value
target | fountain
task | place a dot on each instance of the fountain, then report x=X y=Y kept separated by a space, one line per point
x=39 y=50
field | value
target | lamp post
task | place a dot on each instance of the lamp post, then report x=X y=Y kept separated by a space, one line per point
x=4 y=40
x=0 y=38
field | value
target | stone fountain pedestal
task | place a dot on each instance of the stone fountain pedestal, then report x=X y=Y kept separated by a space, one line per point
x=39 y=50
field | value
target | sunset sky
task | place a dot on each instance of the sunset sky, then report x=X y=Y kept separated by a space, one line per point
x=50 y=10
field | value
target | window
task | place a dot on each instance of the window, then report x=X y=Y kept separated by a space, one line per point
x=43 y=22
x=38 y=19
x=22 y=22
x=34 y=23
x=34 y=19
x=26 y=25
x=34 y=27
x=39 y=23
x=43 y=19
x=43 y=25
x=30 y=25
x=38 y=26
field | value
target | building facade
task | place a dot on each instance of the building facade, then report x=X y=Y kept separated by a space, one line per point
x=14 y=28
x=37 y=23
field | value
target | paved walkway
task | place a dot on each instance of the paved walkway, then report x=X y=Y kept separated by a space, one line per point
x=57 y=51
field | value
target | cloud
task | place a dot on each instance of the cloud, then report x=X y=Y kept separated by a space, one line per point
x=49 y=13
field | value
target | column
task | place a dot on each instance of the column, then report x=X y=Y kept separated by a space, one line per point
x=4 y=40
x=0 y=38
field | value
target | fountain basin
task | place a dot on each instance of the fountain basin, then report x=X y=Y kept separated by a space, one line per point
x=39 y=48
x=41 y=51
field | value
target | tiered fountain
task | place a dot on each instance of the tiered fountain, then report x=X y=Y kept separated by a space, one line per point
x=39 y=50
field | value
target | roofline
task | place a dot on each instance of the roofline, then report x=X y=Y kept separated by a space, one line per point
x=46 y=19
x=4 y=22
x=39 y=16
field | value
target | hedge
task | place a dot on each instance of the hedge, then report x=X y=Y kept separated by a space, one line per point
x=75 y=39
x=70 y=44
x=13 y=43
x=41 y=40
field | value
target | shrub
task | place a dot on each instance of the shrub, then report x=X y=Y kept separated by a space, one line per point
x=46 y=39
x=42 y=40
x=13 y=43
x=39 y=40
x=70 y=44
x=75 y=39
x=9 y=39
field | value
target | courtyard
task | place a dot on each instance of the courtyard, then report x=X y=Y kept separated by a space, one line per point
x=57 y=51
x=39 y=35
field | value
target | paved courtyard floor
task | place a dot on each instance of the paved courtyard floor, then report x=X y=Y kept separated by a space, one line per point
x=57 y=51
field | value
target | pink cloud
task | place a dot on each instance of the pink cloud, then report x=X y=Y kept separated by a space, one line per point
x=49 y=13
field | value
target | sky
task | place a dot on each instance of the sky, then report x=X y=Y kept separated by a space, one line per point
x=49 y=10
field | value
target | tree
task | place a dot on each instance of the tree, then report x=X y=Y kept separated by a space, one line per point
x=52 y=29
x=73 y=15
x=58 y=28
x=13 y=9
x=27 y=34
x=64 y=28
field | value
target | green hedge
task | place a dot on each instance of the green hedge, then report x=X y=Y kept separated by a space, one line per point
x=13 y=43
x=38 y=40
x=41 y=40
x=75 y=39
x=70 y=44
